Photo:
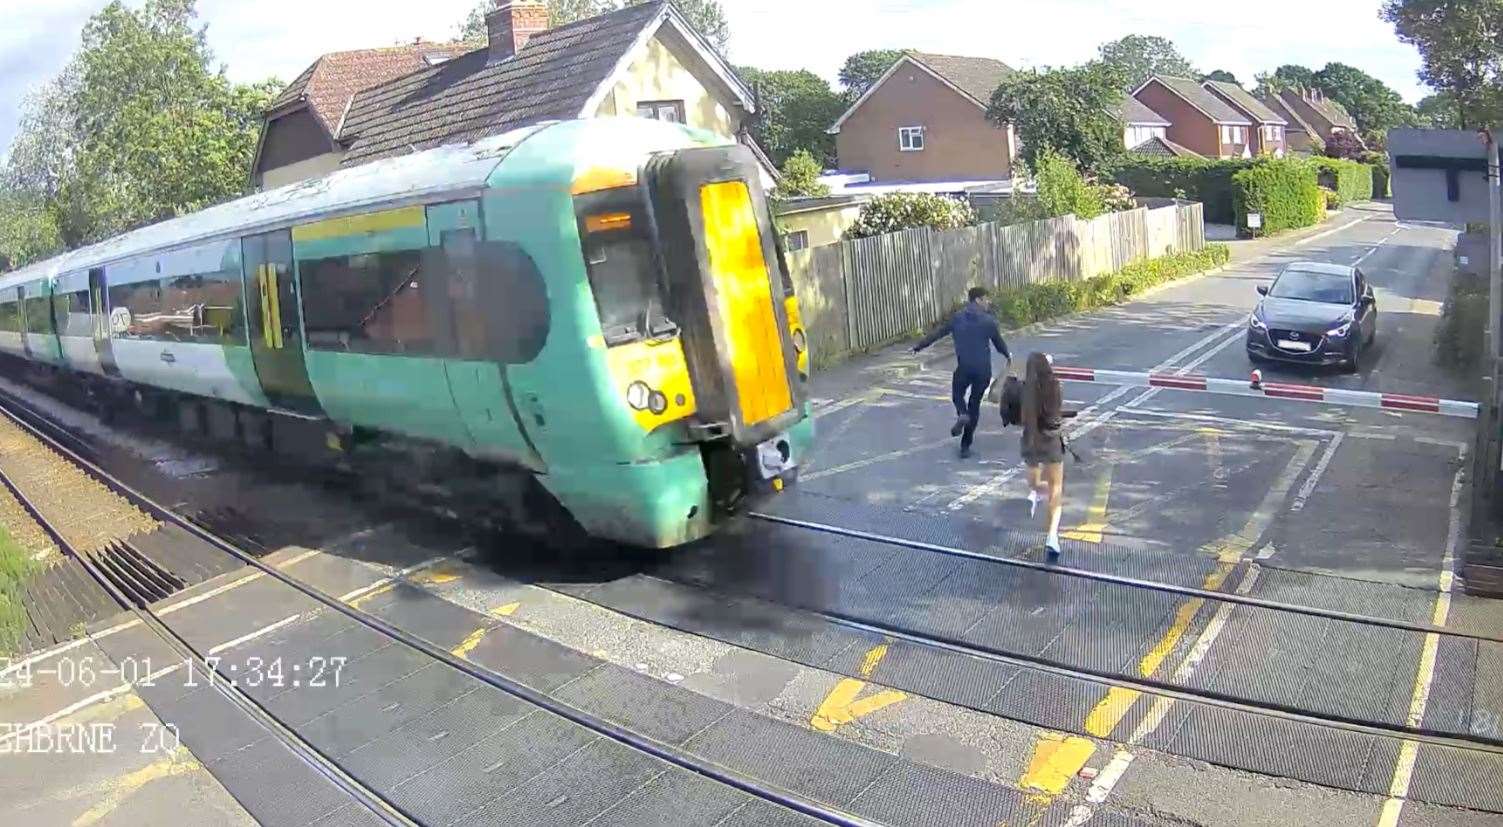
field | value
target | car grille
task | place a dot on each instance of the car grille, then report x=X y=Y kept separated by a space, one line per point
x=1276 y=335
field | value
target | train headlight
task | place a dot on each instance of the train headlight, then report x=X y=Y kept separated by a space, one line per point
x=658 y=403
x=639 y=396
x=800 y=341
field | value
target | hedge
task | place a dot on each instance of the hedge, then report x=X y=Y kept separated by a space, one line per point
x=1284 y=191
x=1352 y=180
x=1198 y=179
x=1018 y=306
x=1380 y=180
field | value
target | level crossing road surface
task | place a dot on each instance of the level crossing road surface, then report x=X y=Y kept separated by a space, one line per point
x=887 y=638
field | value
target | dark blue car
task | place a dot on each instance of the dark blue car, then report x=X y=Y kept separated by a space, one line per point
x=1314 y=314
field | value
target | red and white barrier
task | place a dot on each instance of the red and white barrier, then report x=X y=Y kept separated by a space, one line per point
x=1274 y=390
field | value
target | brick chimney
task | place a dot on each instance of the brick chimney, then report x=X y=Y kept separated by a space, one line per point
x=511 y=24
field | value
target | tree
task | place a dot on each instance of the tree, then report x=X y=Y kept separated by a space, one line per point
x=1223 y=76
x=1439 y=111
x=1461 y=45
x=800 y=178
x=148 y=130
x=1372 y=104
x=706 y=16
x=1142 y=56
x=1288 y=76
x=1076 y=112
x=863 y=69
x=795 y=110
x=28 y=232
x=899 y=211
x=1343 y=144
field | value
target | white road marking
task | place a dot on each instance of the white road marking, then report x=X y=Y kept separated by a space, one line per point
x=250 y=636
x=1320 y=468
x=1403 y=771
x=1085 y=423
x=1302 y=242
x=1375 y=247
x=1101 y=789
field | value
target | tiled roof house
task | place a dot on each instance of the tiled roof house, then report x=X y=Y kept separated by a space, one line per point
x=1310 y=112
x=640 y=61
x=925 y=120
x=1200 y=121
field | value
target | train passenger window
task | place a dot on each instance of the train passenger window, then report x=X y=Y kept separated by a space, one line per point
x=71 y=310
x=38 y=313
x=10 y=317
x=623 y=276
x=498 y=299
x=136 y=310
x=204 y=307
x=368 y=303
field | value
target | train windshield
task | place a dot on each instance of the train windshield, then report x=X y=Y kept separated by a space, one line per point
x=623 y=272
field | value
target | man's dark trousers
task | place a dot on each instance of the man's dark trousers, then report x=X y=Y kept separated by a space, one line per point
x=976 y=384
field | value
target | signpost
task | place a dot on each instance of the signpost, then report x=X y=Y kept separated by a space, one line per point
x=1452 y=175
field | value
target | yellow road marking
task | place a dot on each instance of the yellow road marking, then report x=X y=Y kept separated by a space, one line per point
x=841 y=705
x=180 y=762
x=437 y=577
x=1056 y=757
x=869 y=461
x=468 y=644
x=1095 y=525
x=506 y=611
x=1110 y=710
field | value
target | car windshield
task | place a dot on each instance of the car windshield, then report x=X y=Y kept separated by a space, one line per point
x=1305 y=285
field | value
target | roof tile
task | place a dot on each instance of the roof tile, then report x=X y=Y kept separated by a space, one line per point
x=329 y=83
x=469 y=97
x=1192 y=91
x=1243 y=100
x=978 y=77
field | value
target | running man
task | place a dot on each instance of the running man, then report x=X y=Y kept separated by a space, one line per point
x=975 y=331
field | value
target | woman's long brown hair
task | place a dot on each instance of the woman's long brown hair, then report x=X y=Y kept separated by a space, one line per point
x=1041 y=392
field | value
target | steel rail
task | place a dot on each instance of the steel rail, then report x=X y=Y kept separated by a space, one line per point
x=600 y=726
x=1125 y=580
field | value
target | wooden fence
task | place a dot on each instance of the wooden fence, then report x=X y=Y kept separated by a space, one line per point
x=861 y=294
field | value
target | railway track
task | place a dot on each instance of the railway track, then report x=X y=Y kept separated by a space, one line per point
x=138 y=585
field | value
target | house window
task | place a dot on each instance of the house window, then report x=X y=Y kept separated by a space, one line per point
x=911 y=138
x=670 y=111
x=1234 y=134
x=1273 y=133
x=1136 y=135
x=797 y=240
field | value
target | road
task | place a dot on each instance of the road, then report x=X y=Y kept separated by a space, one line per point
x=1253 y=621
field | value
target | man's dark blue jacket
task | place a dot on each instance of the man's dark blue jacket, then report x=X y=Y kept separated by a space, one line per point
x=975 y=331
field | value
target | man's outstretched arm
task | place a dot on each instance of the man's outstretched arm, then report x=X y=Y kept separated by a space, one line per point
x=939 y=333
x=999 y=343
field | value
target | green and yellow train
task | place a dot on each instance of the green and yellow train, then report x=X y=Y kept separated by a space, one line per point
x=598 y=306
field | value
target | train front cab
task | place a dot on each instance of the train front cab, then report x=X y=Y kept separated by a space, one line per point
x=702 y=332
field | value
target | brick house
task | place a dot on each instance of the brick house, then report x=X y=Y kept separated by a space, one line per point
x=1313 y=114
x=1268 y=126
x=1141 y=124
x=1199 y=121
x=641 y=61
x=925 y=120
x=297 y=138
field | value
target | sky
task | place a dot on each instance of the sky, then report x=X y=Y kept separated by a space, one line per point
x=279 y=38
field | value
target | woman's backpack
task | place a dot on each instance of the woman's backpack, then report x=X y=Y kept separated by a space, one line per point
x=1012 y=401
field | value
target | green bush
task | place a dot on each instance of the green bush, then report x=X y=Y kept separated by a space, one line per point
x=1198 y=179
x=1018 y=306
x=899 y=211
x=1381 y=174
x=1352 y=180
x=1062 y=190
x=1328 y=199
x=1459 y=336
x=1283 y=191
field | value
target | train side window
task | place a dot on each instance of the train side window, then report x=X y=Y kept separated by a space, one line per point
x=136 y=310
x=495 y=296
x=10 y=317
x=71 y=310
x=368 y=303
x=38 y=312
x=203 y=307
x=623 y=276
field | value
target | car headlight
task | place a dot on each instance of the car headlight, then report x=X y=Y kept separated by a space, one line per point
x=1254 y=322
x=1338 y=332
x=639 y=396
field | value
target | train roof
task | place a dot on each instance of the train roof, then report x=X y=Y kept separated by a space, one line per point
x=445 y=169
